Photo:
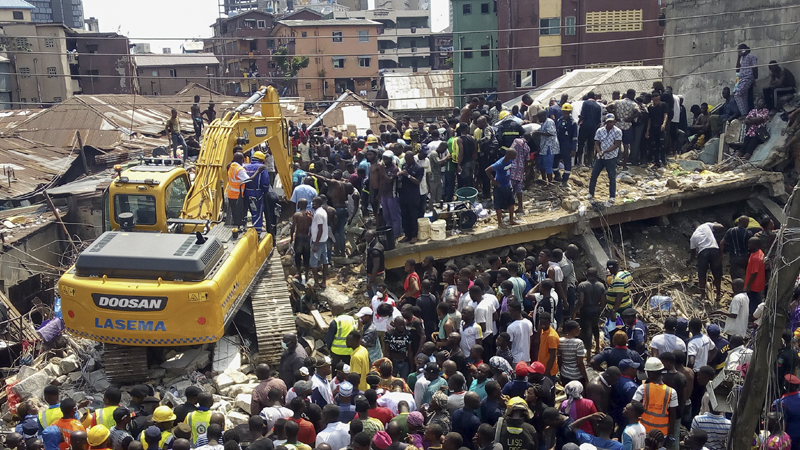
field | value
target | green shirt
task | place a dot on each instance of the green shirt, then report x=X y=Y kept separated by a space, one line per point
x=402 y=420
x=452 y=148
x=619 y=283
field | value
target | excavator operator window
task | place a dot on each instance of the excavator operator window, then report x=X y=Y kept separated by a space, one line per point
x=176 y=194
x=143 y=208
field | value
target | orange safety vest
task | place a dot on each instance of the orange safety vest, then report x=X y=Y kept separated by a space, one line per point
x=656 y=407
x=234 y=190
x=67 y=427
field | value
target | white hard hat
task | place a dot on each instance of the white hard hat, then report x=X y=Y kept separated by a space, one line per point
x=653 y=364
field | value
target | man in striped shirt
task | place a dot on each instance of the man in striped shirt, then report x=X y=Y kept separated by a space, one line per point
x=716 y=426
x=618 y=296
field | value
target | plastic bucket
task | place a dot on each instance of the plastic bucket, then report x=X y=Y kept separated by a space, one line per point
x=424 y=229
x=439 y=230
x=386 y=237
x=466 y=194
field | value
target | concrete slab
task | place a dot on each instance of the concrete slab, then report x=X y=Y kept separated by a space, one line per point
x=594 y=251
x=776 y=125
x=764 y=203
x=226 y=354
x=700 y=192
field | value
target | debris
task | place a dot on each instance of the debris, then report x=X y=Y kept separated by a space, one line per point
x=690 y=165
x=305 y=321
x=32 y=386
x=98 y=380
x=237 y=418
x=188 y=361
x=320 y=321
x=243 y=401
x=333 y=296
x=226 y=354
x=70 y=364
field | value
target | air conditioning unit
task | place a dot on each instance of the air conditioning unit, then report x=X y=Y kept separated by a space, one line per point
x=413 y=29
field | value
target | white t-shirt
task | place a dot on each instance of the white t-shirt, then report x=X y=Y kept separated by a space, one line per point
x=392 y=399
x=272 y=413
x=673 y=396
x=382 y=323
x=469 y=336
x=337 y=435
x=703 y=238
x=758 y=313
x=423 y=185
x=521 y=332
x=484 y=313
x=269 y=161
x=740 y=305
x=667 y=343
x=676 y=108
x=636 y=434
x=464 y=301
x=320 y=218
x=699 y=348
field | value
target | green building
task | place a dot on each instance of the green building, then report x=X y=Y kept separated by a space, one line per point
x=474 y=48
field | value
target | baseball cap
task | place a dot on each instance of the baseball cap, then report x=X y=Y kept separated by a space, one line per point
x=151 y=399
x=152 y=433
x=323 y=361
x=713 y=330
x=346 y=368
x=365 y=311
x=431 y=367
x=304 y=371
x=302 y=386
x=791 y=379
x=629 y=312
x=521 y=369
x=609 y=117
x=388 y=154
x=121 y=413
x=346 y=388
x=537 y=367
x=628 y=363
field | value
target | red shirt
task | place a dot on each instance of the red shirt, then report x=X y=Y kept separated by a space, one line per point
x=407 y=284
x=307 y=434
x=755 y=265
x=381 y=413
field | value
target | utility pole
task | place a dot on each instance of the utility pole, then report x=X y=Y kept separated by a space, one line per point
x=768 y=337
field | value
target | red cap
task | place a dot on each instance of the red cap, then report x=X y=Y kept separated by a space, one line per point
x=522 y=369
x=791 y=379
x=537 y=367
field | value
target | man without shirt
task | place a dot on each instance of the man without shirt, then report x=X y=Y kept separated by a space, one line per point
x=301 y=239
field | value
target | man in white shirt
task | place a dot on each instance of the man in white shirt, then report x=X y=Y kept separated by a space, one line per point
x=737 y=315
x=319 y=242
x=485 y=318
x=704 y=245
x=667 y=341
x=336 y=434
x=392 y=399
x=701 y=348
x=520 y=330
x=423 y=185
x=274 y=411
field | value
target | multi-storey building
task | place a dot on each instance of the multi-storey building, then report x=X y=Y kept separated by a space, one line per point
x=474 y=48
x=68 y=12
x=101 y=62
x=168 y=74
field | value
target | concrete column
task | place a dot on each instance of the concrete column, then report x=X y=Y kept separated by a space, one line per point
x=594 y=251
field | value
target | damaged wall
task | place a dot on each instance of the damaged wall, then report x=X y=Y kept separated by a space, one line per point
x=695 y=46
x=38 y=252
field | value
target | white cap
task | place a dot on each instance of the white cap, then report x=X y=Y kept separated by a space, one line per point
x=346 y=368
x=653 y=364
x=304 y=371
x=364 y=312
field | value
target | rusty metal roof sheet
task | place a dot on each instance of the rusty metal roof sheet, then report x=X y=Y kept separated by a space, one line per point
x=178 y=59
x=11 y=117
x=27 y=167
x=420 y=91
x=328 y=23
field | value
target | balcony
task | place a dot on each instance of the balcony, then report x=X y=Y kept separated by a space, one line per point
x=412 y=32
x=72 y=58
x=390 y=55
x=414 y=51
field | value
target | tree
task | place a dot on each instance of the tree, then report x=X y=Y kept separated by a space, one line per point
x=289 y=65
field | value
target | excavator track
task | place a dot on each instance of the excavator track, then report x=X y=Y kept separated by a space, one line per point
x=125 y=364
x=272 y=311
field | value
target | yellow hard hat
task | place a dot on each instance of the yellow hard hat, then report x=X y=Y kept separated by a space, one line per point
x=352 y=134
x=99 y=434
x=371 y=139
x=566 y=107
x=163 y=414
x=258 y=155
x=503 y=114
x=407 y=135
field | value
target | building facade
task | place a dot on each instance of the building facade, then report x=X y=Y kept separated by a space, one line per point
x=15 y=11
x=240 y=43
x=342 y=55
x=168 y=74
x=442 y=50
x=101 y=62
x=232 y=7
x=404 y=41
x=551 y=37
x=474 y=48
x=68 y=12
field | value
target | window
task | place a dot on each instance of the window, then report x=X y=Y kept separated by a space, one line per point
x=34 y=99
x=176 y=194
x=363 y=61
x=467 y=52
x=51 y=72
x=526 y=78
x=485 y=50
x=18 y=15
x=21 y=42
x=173 y=73
x=614 y=21
x=56 y=99
x=50 y=43
x=338 y=62
x=569 y=26
x=466 y=8
x=25 y=72
x=23 y=100
x=304 y=34
x=550 y=26
x=154 y=73
x=262 y=24
x=484 y=8
x=143 y=208
x=337 y=36
x=363 y=36
x=91 y=48
x=308 y=85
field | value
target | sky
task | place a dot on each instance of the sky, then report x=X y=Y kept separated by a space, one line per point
x=176 y=19
x=181 y=19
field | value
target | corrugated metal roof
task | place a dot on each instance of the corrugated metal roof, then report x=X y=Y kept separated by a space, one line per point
x=350 y=110
x=328 y=22
x=26 y=166
x=11 y=117
x=15 y=4
x=420 y=91
x=579 y=82
x=183 y=59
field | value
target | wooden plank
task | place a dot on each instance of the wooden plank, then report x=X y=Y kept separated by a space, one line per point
x=27 y=333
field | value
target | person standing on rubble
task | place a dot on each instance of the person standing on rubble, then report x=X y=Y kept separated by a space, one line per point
x=197 y=118
x=292 y=359
x=704 y=245
x=607 y=142
x=257 y=190
x=173 y=129
x=736 y=242
x=338 y=330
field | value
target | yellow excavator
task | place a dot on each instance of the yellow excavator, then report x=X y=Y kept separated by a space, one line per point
x=171 y=272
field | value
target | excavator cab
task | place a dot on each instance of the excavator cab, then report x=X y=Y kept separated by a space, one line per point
x=153 y=192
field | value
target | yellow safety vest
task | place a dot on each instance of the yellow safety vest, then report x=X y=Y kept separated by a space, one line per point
x=344 y=325
x=49 y=416
x=105 y=416
x=656 y=407
x=198 y=422
x=234 y=185
x=164 y=436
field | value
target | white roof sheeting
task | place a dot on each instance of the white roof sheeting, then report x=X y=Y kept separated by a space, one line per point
x=420 y=91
